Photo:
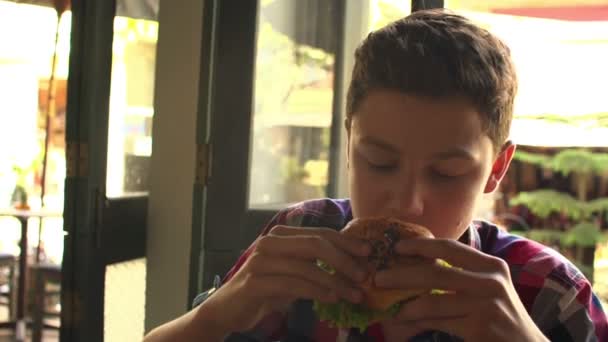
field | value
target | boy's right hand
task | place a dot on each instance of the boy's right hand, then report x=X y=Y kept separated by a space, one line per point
x=282 y=268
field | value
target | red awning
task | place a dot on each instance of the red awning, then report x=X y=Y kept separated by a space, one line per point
x=572 y=13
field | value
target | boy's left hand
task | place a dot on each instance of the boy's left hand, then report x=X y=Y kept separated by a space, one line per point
x=483 y=305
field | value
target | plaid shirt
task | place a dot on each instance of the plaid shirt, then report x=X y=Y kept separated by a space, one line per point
x=556 y=294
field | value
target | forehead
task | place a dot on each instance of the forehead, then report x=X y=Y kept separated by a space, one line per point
x=432 y=124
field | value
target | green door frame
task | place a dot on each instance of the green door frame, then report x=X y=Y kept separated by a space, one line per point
x=98 y=231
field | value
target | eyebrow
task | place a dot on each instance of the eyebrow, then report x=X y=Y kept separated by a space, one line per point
x=380 y=144
x=453 y=153
x=456 y=152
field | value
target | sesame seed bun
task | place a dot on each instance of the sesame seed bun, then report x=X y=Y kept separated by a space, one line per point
x=382 y=234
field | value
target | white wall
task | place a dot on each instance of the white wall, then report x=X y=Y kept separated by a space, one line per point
x=173 y=160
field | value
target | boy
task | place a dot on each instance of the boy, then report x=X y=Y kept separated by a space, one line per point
x=428 y=116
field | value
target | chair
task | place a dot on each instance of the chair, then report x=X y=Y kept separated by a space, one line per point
x=44 y=274
x=8 y=268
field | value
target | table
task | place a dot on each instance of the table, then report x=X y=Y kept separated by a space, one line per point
x=23 y=217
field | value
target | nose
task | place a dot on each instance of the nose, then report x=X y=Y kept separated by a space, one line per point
x=406 y=200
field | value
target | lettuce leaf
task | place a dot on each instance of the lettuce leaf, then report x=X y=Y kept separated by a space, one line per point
x=325 y=267
x=346 y=315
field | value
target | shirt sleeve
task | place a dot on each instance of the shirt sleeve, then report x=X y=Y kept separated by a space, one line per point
x=556 y=294
x=566 y=309
x=581 y=317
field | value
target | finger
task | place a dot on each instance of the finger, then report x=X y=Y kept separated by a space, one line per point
x=276 y=288
x=262 y=265
x=452 y=251
x=349 y=244
x=434 y=276
x=312 y=248
x=432 y=307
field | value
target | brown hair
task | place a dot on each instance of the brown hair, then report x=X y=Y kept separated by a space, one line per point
x=437 y=53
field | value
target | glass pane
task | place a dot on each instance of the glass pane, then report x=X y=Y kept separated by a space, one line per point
x=131 y=106
x=383 y=12
x=124 y=301
x=34 y=50
x=293 y=112
x=29 y=103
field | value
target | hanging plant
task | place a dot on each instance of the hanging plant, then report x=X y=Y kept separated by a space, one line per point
x=581 y=163
x=567 y=161
x=584 y=234
x=543 y=203
x=598 y=205
x=533 y=158
x=574 y=161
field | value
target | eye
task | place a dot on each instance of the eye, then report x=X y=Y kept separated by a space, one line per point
x=381 y=167
x=377 y=161
x=442 y=175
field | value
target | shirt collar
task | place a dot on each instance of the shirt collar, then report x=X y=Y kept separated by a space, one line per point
x=471 y=237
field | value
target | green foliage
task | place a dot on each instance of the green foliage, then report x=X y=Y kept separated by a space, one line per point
x=547 y=236
x=601 y=162
x=598 y=205
x=545 y=202
x=24 y=168
x=585 y=234
x=311 y=55
x=575 y=161
x=291 y=170
x=533 y=158
x=568 y=161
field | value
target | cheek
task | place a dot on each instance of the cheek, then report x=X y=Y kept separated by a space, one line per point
x=367 y=193
x=450 y=209
x=448 y=218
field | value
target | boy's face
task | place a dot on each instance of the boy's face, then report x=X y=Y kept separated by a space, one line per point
x=422 y=160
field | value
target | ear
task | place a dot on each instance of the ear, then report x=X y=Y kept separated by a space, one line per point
x=347 y=126
x=347 y=154
x=500 y=167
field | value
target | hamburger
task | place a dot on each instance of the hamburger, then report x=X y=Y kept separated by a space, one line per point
x=378 y=303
